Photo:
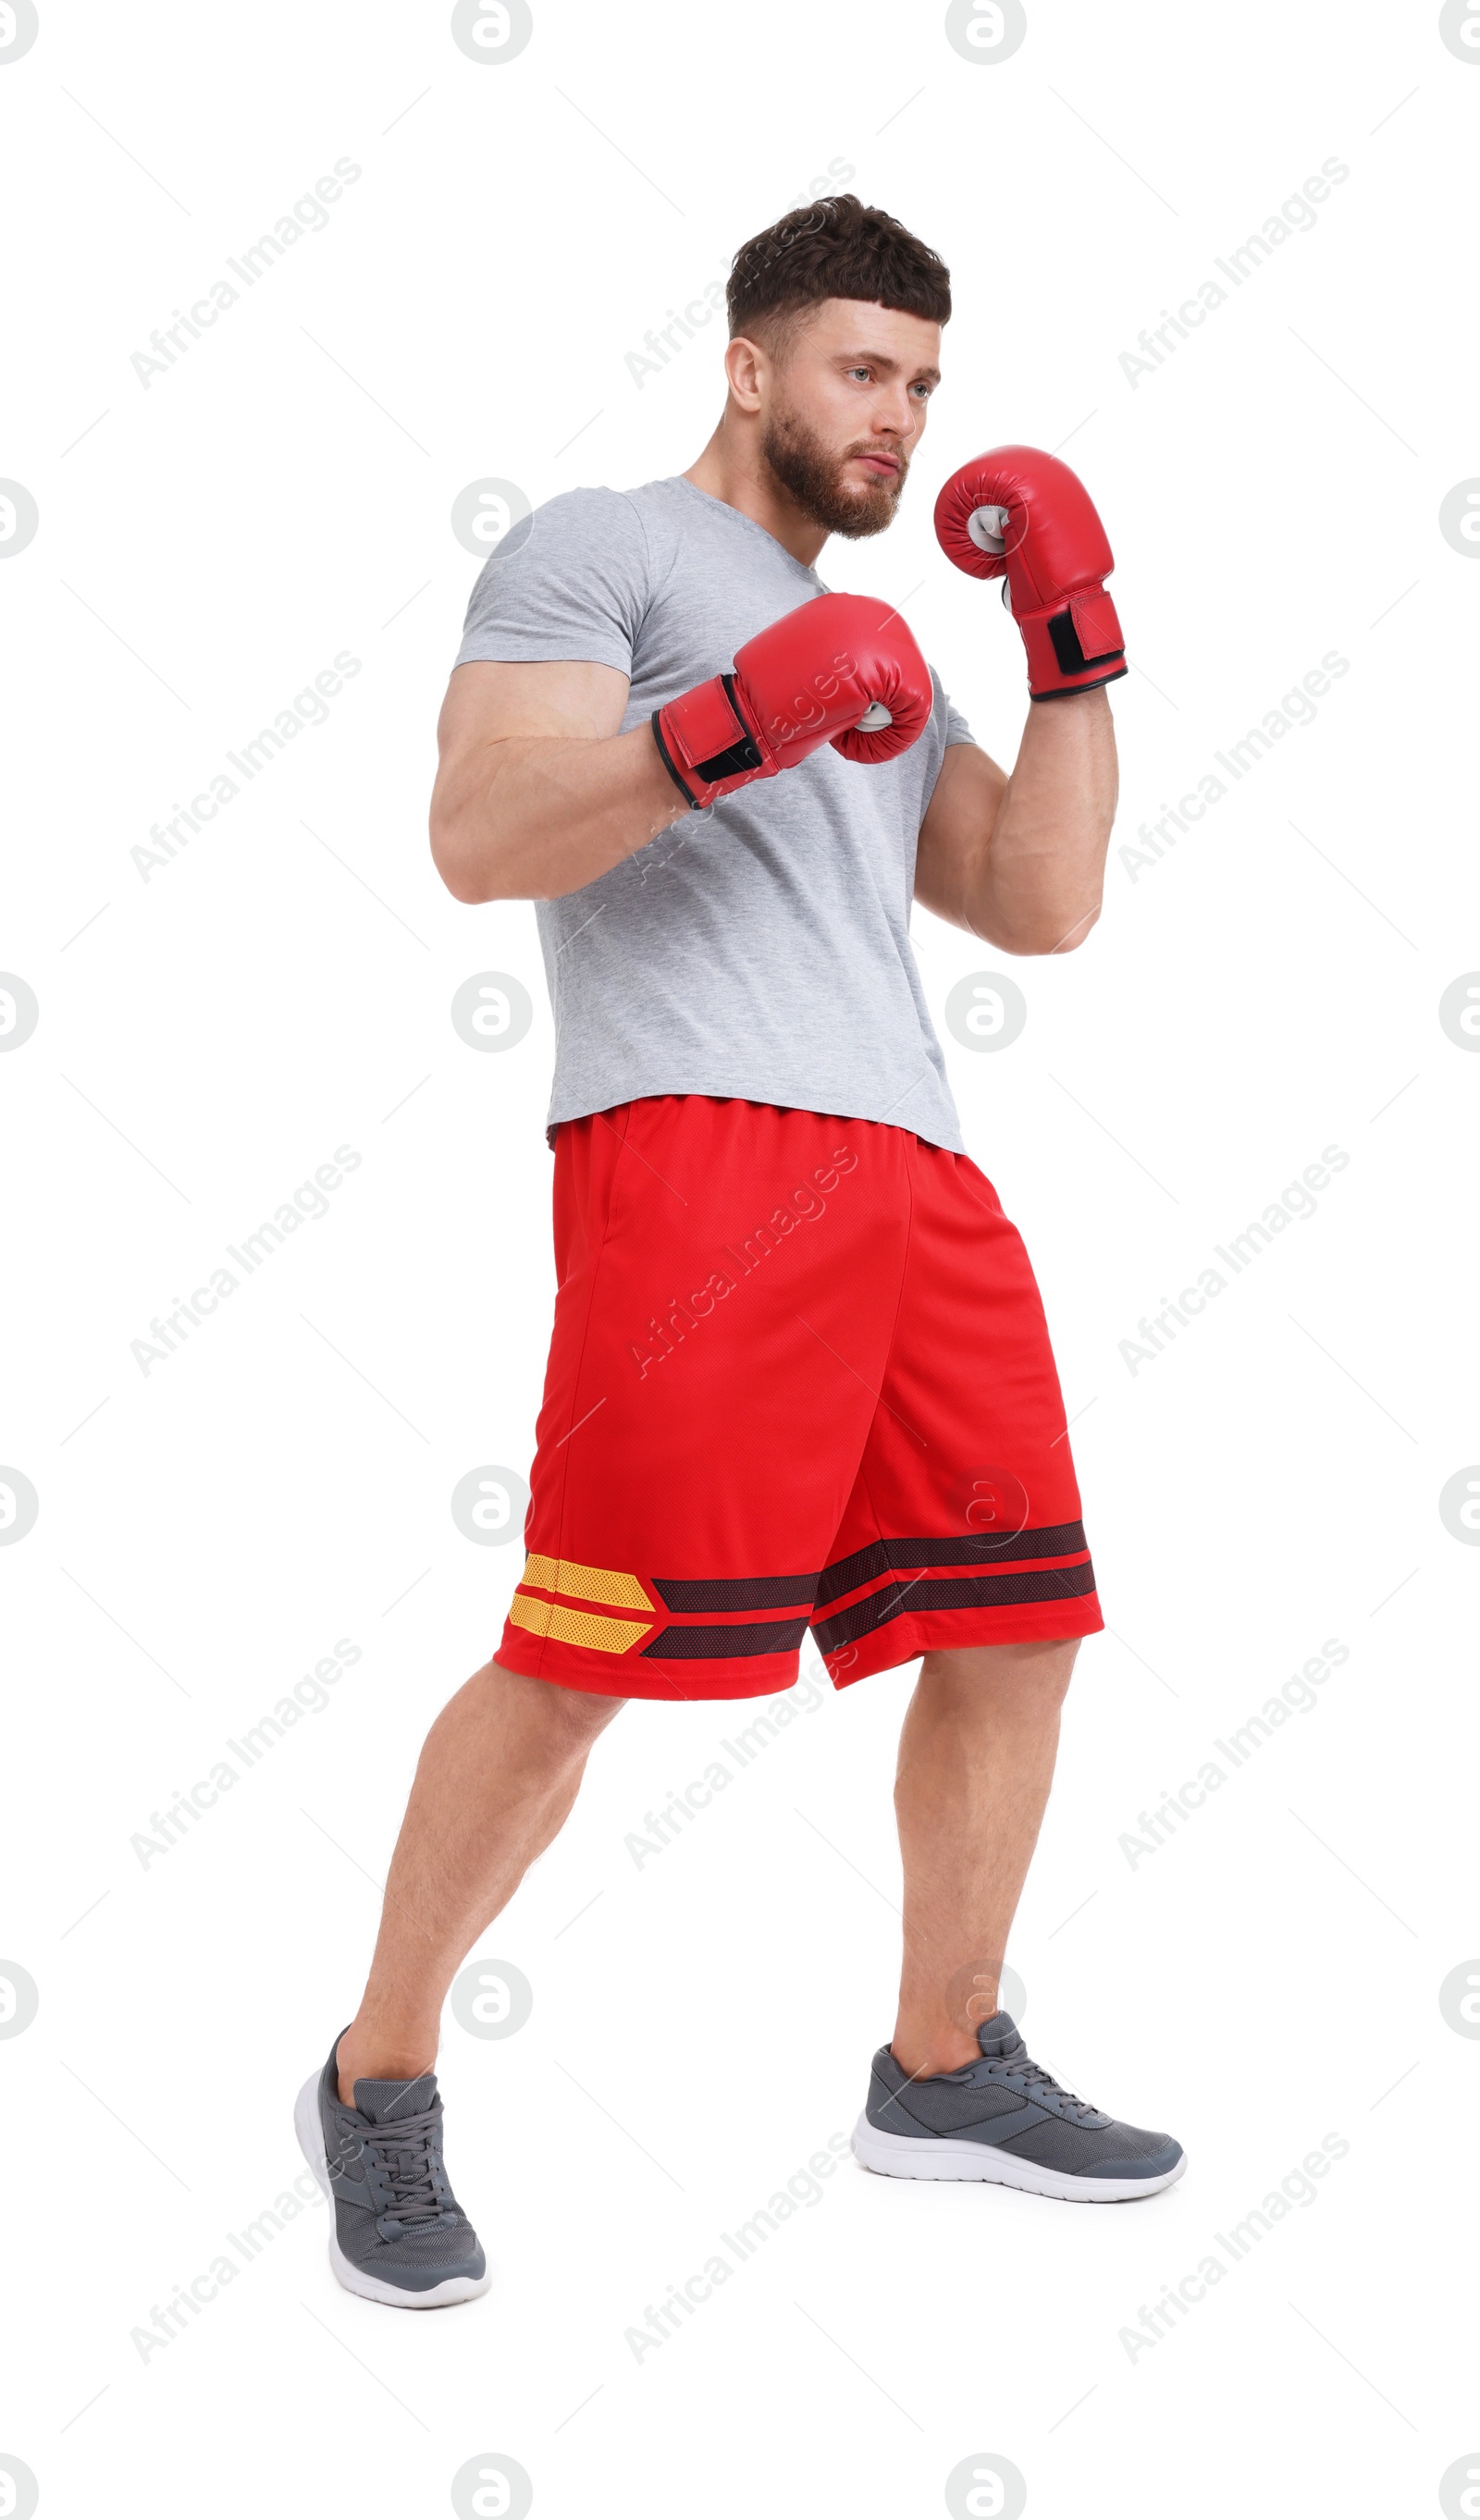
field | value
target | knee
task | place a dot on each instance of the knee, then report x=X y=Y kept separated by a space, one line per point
x=1034 y=1675
x=542 y=1731
x=579 y=1718
x=570 y=1720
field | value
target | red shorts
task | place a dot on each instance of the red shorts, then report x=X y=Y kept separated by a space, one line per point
x=799 y=1376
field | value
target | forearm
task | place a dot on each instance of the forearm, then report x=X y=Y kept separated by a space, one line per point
x=1035 y=879
x=530 y=818
x=1025 y=858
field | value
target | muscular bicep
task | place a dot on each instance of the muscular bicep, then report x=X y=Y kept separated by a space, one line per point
x=957 y=831
x=488 y=704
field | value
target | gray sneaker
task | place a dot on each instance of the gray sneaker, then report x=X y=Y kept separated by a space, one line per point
x=1006 y=2119
x=399 y=2233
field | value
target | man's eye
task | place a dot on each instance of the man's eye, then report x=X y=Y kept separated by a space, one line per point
x=859 y=372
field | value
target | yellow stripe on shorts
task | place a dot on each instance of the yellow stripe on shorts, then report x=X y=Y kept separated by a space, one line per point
x=576 y=1627
x=607 y=1583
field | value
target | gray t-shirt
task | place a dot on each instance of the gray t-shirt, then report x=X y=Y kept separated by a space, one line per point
x=760 y=949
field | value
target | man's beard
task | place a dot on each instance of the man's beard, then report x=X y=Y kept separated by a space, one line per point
x=811 y=473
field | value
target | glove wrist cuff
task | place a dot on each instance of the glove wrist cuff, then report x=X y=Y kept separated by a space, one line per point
x=1073 y=645
x=706 y=743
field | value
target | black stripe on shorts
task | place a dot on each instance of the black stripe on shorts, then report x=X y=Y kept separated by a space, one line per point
x=735 y=1591
x=974 y=1547
x=951 y=1592
x=714 y=1644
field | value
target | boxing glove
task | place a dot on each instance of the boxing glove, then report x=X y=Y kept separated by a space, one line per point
x=1019 y=513
x=842 y=669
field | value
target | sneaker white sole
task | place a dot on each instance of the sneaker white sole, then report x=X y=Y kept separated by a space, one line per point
x=309 y=2128
x=934 y=2156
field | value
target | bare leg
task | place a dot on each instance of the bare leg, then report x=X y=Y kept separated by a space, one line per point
x=976 y=1761
x=498 y=1774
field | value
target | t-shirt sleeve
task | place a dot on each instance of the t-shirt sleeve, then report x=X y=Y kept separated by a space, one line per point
x=566 y=585
x=946 y=726
x=956 y=729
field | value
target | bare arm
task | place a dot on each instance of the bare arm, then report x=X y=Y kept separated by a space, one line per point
x=536 y=792
x=1019 y=860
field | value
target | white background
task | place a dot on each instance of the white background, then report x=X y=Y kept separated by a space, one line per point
x=209 y=1035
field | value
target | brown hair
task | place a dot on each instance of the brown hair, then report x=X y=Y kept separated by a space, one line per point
x=834 y=247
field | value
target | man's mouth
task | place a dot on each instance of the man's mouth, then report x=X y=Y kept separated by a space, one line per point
x=883 y=468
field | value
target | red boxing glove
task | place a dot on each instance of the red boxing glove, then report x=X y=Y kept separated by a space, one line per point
x=1021 y=515
x=842 y=669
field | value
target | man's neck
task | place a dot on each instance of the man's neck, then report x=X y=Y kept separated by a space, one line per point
x=738 y=473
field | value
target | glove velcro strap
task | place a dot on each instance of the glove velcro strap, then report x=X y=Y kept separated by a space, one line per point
x=1096 y=622
x=667 y=760
x=1088 y=632
x=705 y=727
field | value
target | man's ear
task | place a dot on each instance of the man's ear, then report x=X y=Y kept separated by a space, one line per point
x=745 y=367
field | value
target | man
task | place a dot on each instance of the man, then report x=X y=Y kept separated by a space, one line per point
x=799 y=1372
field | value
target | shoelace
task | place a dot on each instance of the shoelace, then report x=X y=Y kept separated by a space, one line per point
x=404 y=2149
x=1040 y=2080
